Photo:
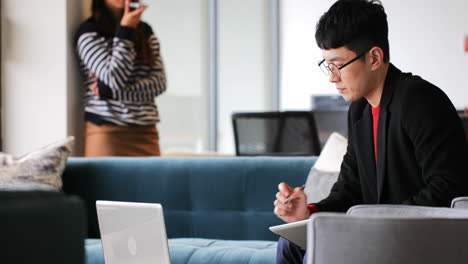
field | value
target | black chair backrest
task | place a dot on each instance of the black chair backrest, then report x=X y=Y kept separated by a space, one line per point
x=291 y=133
x=328 y=122
x=331 y=115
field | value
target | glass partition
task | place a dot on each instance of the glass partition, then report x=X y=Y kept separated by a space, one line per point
x=182 y=27
x=245 y=78
x=227 y=50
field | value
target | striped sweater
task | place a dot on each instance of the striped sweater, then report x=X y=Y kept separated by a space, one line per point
x=127 y=87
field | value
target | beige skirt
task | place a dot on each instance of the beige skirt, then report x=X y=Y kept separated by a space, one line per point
x=114 y=140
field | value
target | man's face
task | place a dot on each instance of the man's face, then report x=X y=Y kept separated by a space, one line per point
x=354 y=80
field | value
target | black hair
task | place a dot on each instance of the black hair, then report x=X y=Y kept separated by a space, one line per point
x=103 y=17
x=358 y=25
x=106 y=24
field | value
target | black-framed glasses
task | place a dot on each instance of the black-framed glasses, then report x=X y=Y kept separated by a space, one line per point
x=328 y=68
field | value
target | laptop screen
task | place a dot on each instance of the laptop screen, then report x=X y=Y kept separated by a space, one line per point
x=132 y=232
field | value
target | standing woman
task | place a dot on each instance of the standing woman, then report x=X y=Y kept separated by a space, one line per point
x=121 y=62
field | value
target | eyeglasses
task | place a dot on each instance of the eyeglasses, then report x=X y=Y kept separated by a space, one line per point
x=328 y=68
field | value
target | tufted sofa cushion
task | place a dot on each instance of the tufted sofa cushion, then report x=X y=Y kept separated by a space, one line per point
x=204 y=251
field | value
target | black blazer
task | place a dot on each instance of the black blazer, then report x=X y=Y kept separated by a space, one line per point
x=421 y=147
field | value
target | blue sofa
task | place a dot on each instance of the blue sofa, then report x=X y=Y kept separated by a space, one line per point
x=217 y=210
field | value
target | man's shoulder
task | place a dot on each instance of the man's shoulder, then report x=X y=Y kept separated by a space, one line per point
x=412 y=86
x=408 y=91
x=414 y=96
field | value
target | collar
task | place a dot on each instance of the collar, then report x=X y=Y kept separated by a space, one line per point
x=389 y=86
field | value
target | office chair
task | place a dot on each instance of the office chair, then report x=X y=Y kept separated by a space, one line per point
x=331 y=115
x=275 y=134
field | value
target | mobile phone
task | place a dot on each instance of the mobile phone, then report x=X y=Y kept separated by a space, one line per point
x=135 y=4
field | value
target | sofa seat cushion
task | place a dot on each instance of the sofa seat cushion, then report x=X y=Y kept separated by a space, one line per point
x=94 y=252
x=198 y=250
x=206 y=251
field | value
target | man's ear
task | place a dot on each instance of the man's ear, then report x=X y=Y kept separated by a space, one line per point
x=376 y=56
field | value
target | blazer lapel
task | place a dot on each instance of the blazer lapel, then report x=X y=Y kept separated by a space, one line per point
x=384 y=117
x=365 y=147
x=381 y=151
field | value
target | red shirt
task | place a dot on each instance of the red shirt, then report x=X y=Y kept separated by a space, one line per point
x=375 y=123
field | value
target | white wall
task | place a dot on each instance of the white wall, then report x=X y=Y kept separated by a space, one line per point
x=36 y=73
x=426 y=37
x=244 y=63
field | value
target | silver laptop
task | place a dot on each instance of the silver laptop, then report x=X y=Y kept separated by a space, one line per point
x=133 y=233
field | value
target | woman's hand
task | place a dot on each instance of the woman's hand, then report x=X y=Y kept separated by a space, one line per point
x=94 y=86
x=95 y=89
x=131 y=18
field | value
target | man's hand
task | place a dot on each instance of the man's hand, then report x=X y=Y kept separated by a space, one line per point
x=296 y=209
x=131 y=18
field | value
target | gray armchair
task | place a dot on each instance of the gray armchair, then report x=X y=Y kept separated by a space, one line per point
x=460 y=203
x=384 y=234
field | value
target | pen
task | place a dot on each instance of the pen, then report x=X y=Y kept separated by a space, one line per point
x=290 y=198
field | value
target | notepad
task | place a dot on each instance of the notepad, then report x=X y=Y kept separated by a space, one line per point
x=295 y=232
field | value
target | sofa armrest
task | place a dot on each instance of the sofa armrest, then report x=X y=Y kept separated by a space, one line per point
x=41 y=227
x=460 y=203
x=340 y=238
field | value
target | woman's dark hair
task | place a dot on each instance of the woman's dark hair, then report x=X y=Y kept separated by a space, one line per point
x=106 y=24
x=358 y=25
